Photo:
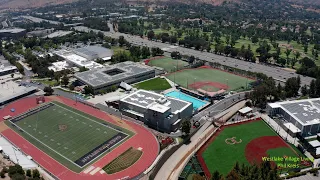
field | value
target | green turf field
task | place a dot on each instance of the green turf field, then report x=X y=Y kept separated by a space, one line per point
x=68 y=135
x=168 y=64
x=190 y=76
x=156 y=84
x=222 y=157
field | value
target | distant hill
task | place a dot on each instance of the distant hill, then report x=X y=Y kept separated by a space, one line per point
x=24 y=4
x=213 y=2
x=306 y=2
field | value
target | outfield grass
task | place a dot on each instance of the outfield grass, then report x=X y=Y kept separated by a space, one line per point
x=67 y=134
x=122 y=162
x=222 y=157
x=190 y=76
x=168 y=64
x=156 y=84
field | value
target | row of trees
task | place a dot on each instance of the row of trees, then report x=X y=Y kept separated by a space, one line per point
x=267 y=91
x=17 y=173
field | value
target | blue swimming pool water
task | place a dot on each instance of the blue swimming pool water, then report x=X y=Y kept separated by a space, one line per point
x=179 y=95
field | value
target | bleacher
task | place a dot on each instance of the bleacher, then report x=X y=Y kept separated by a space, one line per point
x=31 y=112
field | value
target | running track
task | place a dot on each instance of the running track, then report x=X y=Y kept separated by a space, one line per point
x=143 y=139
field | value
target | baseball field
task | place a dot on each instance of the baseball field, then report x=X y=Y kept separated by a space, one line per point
x=246 y=143
x=73 y=138
x=209 y=79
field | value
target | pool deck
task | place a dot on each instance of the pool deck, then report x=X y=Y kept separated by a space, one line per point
x=206 y=103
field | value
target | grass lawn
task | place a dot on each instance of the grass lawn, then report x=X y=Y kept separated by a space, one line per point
x=125 y=160
x=156 y=84
x=222 y=157
x=47 y=82
x=168 y=64
x=189 y=76
x=116 y=49
x=68 y=135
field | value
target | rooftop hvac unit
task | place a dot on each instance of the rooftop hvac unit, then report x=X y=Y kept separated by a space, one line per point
x=162 y=100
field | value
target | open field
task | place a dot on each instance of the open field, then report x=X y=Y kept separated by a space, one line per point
x=245 y=143
x=168 y=64
x=156 y=84
x=73 y=138
x=125 y=160
x=188 y=77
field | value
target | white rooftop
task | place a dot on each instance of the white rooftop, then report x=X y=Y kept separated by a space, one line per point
x=292 y=127
x=16 y=155
x=78 y=60
x=159 y=108
x=245 y=110
x=306 y=111
x=58 y=34
x=315 y=143
x=59 y=66
x=6 y=68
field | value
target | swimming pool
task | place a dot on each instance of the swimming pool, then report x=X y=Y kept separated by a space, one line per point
x=179 y=95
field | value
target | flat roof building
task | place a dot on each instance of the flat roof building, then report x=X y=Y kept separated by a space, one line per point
x=94 y=52
x=156 y=110
x=4 y=70
x=303 y=114
x=12 y=33
x=104 y=78
x=77 y=60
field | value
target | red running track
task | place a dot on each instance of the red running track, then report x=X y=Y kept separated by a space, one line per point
x=143 y=139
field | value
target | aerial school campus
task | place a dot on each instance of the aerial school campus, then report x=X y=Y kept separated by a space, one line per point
x=74 y=139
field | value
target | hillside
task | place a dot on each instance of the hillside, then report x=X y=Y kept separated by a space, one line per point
x=24 y=4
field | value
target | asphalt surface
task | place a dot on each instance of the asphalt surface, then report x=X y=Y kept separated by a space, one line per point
x=277 y=73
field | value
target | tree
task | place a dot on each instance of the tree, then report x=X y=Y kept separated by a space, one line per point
x=65 y=80
x=16 y=169
x=35 y=173
x=48 y=90
x=288 y=52
x=150 y=35
x=185 y=127
x=312 y=89
x=198 y=177
x=88 y=90
x=28 y=173
x=233 y=175
x=71 y=87
x=304 y=90
x=145 y=52
x=175 y=55
x=82 y=69
x=2 y=174
x=121 y=41
x=216 y=175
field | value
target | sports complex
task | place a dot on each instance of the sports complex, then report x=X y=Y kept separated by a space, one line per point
x=72 y=140
x=246 y=143
x=209 y=79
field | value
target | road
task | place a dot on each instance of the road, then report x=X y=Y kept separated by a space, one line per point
x=276 y=72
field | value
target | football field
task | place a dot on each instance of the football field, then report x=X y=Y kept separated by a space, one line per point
x=72 y=137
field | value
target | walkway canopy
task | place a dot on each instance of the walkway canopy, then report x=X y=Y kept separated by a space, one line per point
x=245 y=110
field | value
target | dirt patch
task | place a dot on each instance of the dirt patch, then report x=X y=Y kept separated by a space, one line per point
x=3 y=126
x=202 y=84
x=257 y=148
